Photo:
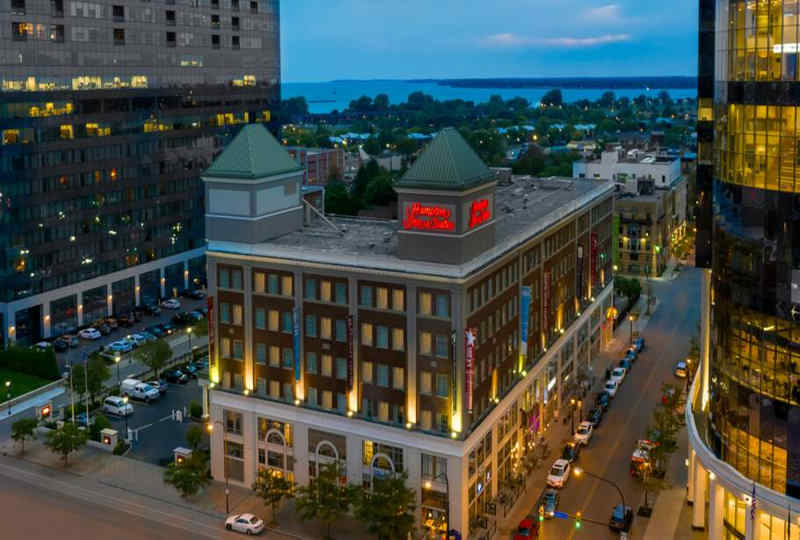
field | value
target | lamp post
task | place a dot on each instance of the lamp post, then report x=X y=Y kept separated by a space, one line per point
x=688 y=373
x=191 y=352
x=630 y=318
x=577 y=471
x=116 y=361
x=580 y=411
x=8 y=395
x=572 y=416
x=210 y=428
x=125 y=408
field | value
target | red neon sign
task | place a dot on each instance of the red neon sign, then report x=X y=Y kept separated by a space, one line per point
x=479 y=212
x=425 y=217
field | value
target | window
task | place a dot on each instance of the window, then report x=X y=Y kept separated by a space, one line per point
x=235 y=23
x=253 y=7
x=288 y=391
x=224 y=278
x=311 y=362
x=286 y=285
x=311 y=396
x=225 y=313
x=273 y=320
x=57 y=33
x=118 y=13
x=341 y=330
x=366 y=372
x=425 y=301
x=398 y=378
x=398 y=300
x=171 y=43
x=383 y=375
x=442 y=305
x=341 y=369
x=274 y=389
x=226 y=347
x=442 y=347
x=273 y=284
x=274 y=356
x=311 y=326
x=215 y=21
x=119 y=36
x=327 y=399
x=236 y=280
x=382 y=337
x=233 y=422
x=215 y=42
x=18 y=7
x=325 y=327
x=383 y=411
x=325 y=291
x=366 y=334
x=425 y=343
x=425 y=382
x=287 y=321
x=288 y=358
x=311 y=289
x=169 y=15
x=442 y=386
x=341 y=293
x=382 y=298
x=398 y=339
x=425 y=419
x=238 y=349
x=261 y=354
x=237 y=314
x=327 y=365
x=341 y=402
x=234 y=449
x=366 y=295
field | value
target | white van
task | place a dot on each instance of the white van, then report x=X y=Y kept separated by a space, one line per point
x=117 y=406
x=136 y=389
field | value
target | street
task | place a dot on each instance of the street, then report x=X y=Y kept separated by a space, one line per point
x=608 y=453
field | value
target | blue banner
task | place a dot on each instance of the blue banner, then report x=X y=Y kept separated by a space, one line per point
x=296 y=334
x=525 y=315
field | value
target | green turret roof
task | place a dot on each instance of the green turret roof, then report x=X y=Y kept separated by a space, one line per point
x=252 y=154
x=447 y=163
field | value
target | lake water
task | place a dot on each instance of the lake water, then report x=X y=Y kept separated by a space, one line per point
x=323 y=97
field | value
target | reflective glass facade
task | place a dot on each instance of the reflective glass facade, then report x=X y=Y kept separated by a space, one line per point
x=753 y=180
x=109 y=111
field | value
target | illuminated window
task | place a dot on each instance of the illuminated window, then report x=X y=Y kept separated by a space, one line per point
x=10 y=136
x=66 y=131
x=366 y=334
x=425 y=303
x=366 y=372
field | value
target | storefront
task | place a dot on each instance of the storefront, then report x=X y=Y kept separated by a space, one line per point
x=64 y=316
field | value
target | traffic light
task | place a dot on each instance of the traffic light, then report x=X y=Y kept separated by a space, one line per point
x=578 y=520
x=541 y=512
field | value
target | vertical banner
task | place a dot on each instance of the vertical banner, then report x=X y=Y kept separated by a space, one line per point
x=349 y=352
x=453 y=373
x=524 y=319
x=469 y=362
x=546 y=305
x=579 y=273
x=595 y=282
x=212 y=322
x=296 y=341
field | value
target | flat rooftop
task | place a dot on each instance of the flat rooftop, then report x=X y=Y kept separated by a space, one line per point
x=524 y=209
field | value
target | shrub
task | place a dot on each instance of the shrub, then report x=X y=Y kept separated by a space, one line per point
x=40 y=364
x=120 y=448
x=195 y=410
x=100 y=423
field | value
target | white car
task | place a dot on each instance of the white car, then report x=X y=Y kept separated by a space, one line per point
x=584 y=433
x=559 y=473
x=244 y=523
x=117 y=406
x=618 y=375
x=611 y=387
x=171 y=303
x=136 y=339
x=90 y=333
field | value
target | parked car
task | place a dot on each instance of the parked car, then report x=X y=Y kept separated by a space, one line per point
x=156 y=330
x=197 y=315
x=182 y=319
x=191 y=370
x=584 y=433
x=81 y=419
x=147 y=335
x=112 y=323
x=117 y=406
x=90 y=333
x=60 y=345
x=681 y=370
x=639 y=344
x=43 y=346
x=621 y=519
x=171 y=303
x=595 y=416
x=193 y=293
x=152 y=309
x=159 y=385
x=71 y=340
x=617 y=375
x=559 y=474
x=611 y=388
x=121 y=346
x=527 y=528
x=176 y=376
x=136 y=339
x=126 y=320
x=104 y=329
x=136 y=389
x=603 y=399
x=625 y=363
x=245 y=523
x=168 y=328
x=548 y=502
x=571 y=452
x=641 y=455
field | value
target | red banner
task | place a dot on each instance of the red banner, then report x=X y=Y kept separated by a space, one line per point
x=212 y=359
x=349 y=352
x=594 y=260
x=546 y=303
x=469 y=337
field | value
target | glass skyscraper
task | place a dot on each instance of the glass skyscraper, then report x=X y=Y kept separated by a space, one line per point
x=109 y=111
x=744 y=414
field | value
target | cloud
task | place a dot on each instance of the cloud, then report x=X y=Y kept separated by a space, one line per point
x=607 y=13
x=509 y=40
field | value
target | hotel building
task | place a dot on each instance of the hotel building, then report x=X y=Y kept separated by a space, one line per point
x=743 y=417
x=109 y=111
x=438 y=344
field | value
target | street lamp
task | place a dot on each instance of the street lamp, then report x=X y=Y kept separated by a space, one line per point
x=116 y=361
x=572 y=416
x=630 y=318
x=191 y=352
x=580 y=411
x=8 y=395
x=577 y=471
x=125 y=408
x=210 y=428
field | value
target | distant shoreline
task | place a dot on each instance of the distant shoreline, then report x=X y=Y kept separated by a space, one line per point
x=665 y=82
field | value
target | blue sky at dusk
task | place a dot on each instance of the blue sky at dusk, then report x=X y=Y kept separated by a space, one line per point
x=368 y=39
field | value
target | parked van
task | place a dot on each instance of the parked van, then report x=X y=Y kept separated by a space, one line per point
x=137 y=389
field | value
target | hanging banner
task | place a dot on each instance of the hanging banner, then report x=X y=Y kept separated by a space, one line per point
x=212 y=322
x=579 y=273
x=525 y=315
x=546 y=304
x=469 y=336
x=296 y=341
x=595 y=282
x=349 y=352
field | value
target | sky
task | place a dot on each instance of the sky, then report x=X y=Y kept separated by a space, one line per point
x=325 y=40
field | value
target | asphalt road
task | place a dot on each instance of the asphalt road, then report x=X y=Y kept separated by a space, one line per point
x=608 y=454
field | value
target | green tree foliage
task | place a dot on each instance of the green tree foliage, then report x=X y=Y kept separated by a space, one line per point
x=100 y=423
x=154 y=354
x=380 y=190
x=388 y=509
x=552 y=98
x=326 y=498
x=79 y=380
x=97 y=372
x=629 y=288
x=372 y=146
x=362 y=104
x=31 y=361
x=272 y=488
x=66 y=440
x=607 y=100
x=381 y=102
x=296 y=106
x=22 y=430
x=194 y=436
x=338 y=200
x=190 y=476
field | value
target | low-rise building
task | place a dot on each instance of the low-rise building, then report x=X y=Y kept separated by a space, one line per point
x=626 y=168
x=321 y=164
x=440 y=343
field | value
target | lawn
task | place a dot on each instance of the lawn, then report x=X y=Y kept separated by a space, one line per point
x=21 y=383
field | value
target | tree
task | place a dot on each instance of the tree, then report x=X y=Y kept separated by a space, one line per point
x=380 y=190
x=194 y=436
x=552 y=98
x=154 y=354
x=606 y=100
x=66 y=440
x=372 y=146
x=273 y=487
x=338 y=200
x=381 y=102
x=189 y=476
x=97 y=373
x=326 y=497
x=78 y=381
x=388 y=509
x=22 y=429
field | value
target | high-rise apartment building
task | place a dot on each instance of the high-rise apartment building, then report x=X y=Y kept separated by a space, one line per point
x=439 y=344
x=744 y=414
x=109 y=111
